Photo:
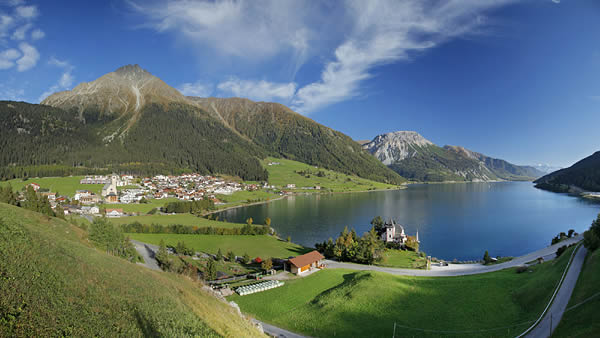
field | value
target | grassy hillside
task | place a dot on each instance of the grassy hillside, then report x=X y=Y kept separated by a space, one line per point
x=347 y=303
x=304 y=175
x=582 y=318
x=256 y=246
x=55 y=284
x=63 y=185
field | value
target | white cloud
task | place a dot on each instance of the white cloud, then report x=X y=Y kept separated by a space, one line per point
x=11 y=94
x=197 y=88
x=64 y=82
x=5 y=24
x=556 y=1
x=29 y=59
x=27 y=12
x=258 y=90
x=16 y=2
x=385 y=32
x=8 y=57
x=21 y=32
x=359 y=37
x=37 y=34
x=248 y=29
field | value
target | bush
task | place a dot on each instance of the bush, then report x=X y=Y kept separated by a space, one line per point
x=561 y=250
x=522 y=269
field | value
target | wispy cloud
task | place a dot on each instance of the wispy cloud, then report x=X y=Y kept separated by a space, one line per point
x=30 y=57
x=27 y=12
x=21 y=32
x=358 y=36
x=258 y=90
x=64 y=82
x=197 y=88
x=19 y=22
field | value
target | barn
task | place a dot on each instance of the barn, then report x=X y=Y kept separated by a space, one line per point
x=306 y=263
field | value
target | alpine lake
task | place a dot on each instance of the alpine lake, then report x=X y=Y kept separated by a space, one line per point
x=454 y=221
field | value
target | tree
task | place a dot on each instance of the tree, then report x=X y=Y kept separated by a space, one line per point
x=267 y=264
x=486 y=257
x=267 y=222
x=144 y=200
x=591 y=238
x=210 y=271
x=289 y=238
x=246 y=258
x=571 y=232
x=231 y=256
x=162 y=255
x=219 y=255
x=249 y=221
x=60 y=212
x=378 y=224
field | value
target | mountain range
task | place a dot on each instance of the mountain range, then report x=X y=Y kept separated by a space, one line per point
x=416 y=158
x=583 y=175
x=130 y=120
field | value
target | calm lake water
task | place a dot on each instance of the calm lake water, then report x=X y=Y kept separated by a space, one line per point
x=454 y=220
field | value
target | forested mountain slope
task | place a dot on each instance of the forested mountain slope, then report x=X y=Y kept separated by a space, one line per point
x=584 y=174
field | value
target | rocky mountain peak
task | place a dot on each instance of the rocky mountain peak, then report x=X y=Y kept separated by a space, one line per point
x=124 y=91
x=396 y=146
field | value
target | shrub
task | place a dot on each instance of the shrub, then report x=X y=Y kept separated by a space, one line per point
x=522 y=269
x=561 y=250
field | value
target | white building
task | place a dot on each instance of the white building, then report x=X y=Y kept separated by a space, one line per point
x=393 y=233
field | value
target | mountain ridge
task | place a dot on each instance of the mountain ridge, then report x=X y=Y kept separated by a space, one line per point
x=584 y=175
x=414 y=157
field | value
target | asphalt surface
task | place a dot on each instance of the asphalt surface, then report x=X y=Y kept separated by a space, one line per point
x=147 y=252
x=277 y=332
x=547 y=253
x=550 y=321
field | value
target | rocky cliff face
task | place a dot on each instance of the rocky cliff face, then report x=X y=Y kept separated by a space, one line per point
x=394 y=147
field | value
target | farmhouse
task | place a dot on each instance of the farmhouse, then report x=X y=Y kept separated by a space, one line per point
x=393 y=233
x=306 y=263
x=114 y=212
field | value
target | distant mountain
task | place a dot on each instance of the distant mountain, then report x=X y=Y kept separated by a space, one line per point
x=414 y=157
x=583 y=175
x=130 y=120
x=545 y=168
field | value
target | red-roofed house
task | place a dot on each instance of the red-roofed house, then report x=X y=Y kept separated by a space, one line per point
x=114 y=212
x=305 y=263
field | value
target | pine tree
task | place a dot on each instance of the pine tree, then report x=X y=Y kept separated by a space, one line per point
x=486 y=257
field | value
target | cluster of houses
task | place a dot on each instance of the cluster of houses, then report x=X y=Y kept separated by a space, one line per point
x=127 y=189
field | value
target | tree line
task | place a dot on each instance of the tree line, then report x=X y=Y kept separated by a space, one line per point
x=192 y=207
x=137 y=227
x=348 y=247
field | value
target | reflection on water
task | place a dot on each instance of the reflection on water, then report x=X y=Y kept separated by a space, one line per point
x=454 y=220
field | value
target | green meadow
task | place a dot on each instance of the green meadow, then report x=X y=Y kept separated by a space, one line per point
x=286 y=172
x=183 y=219
x=63 y=185
x=256 y=246
x=348 y=303
x=403 y=259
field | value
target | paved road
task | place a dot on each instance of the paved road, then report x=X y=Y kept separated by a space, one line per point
x=147 y=251
x=460 y=269
x=552 y=318
x=277 y=332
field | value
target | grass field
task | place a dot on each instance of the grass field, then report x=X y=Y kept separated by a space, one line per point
x=403 y=259
x=184 y=219
x=54 y=284
x=63 y=185
x=285 y=173
x=348 y=303
x=143 y=208
x=256 y=246
x=584 y=320
x=242 y=197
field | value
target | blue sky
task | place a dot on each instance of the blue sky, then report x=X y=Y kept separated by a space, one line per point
x=518 y=80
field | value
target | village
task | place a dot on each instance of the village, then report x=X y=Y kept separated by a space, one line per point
x=127 y=189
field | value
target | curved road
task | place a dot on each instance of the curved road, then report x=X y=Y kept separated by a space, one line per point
x=147 y=251
x=547 y=253
x=550 y=321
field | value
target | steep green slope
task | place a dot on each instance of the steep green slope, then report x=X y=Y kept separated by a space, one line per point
x=165 y=138
x=54 y=284
x=582 y=319
x=584 y=174
x=284 y=133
